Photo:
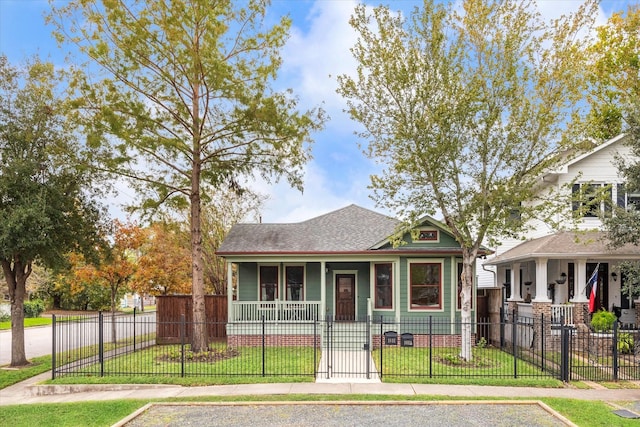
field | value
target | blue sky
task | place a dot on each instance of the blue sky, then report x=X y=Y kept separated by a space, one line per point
x=317 y=51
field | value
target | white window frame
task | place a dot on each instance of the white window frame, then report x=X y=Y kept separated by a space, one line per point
x=286 y=285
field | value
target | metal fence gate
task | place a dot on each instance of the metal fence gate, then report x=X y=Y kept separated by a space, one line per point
x=346 y=351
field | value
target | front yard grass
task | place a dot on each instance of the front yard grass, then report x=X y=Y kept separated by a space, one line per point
x=163 y=364
x=489 y=366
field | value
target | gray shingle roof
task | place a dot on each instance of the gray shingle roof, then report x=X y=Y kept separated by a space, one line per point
x=589 y=244
x=350 y=229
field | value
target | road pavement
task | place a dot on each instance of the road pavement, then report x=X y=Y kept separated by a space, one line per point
x=38 y=340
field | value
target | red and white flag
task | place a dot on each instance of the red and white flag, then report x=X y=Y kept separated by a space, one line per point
x=593 y=282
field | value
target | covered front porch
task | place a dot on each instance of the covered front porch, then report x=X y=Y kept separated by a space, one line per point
x=554 y=276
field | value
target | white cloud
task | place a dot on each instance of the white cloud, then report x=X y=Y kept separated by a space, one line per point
x=312 y=60
x=286 y=204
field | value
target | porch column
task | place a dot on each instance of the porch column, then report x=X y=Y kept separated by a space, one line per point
x=230 y=315
x=515 y=282
x=541 y=281
x=323 y=290
x=580 y=284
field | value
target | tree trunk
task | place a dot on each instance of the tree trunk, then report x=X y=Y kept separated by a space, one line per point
x=466 y=296
x=199 y=336
x=16 y=279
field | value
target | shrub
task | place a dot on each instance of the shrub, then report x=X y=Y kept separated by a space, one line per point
x=625 y=343
x=602 y=321
x=33 y=308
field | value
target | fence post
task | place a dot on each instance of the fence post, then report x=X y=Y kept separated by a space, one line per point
x=615 y=351
x=542 y=340
x=564 y=351
x=263 y=346
x=382 y=342
x=315 y=346
x=368 y=358
x=430 y=346
x=53 y=347
x=514 y=336
x=101 y=342
x=502 y=321
x=182 y=340
x=134 y=329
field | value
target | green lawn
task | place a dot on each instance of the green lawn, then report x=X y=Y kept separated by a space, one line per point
x=161 y=364
x=28 y=322
x=106 y=413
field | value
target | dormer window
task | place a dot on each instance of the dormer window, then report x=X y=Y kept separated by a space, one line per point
x=428 y=235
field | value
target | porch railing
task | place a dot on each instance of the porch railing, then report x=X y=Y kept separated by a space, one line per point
x=562 y=311
x=275 y=311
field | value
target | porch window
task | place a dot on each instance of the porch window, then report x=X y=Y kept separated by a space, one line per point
x=295 y=283
x=425 y=285
x=268 y=282
x=384 y=285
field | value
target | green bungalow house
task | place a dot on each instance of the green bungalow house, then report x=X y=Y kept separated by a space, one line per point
x=342 y=267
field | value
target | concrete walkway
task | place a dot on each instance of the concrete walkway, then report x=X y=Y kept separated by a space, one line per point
x=30 y=392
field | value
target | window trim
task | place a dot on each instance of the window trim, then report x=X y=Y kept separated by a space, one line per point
x=304 y=282
x=433 y=261
x=277 y=293
x=374 y=277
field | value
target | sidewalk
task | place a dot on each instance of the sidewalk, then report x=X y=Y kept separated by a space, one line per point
x=30 y=392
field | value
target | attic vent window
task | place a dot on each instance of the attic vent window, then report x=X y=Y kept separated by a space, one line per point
x=428 y=236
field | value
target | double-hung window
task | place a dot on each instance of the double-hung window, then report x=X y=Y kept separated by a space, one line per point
x=295 y=282
x=383 y=274
x=268 y=282
x=591 y=199
x=425 y=285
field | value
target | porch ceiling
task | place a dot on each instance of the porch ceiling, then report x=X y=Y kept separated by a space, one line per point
x=566 y=244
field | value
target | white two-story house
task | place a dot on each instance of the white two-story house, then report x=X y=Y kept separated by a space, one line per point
x=547 y=272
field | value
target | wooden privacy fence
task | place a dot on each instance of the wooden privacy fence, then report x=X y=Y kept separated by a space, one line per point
x=170 y=308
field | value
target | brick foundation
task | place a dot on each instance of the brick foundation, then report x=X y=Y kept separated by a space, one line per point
x=274 y=340
x=422 y=341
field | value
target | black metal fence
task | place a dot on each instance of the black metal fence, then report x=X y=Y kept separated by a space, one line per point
x=516 y=347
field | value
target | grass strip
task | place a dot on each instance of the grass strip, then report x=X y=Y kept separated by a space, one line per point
x=106 y=413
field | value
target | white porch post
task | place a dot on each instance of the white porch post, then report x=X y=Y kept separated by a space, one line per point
x=230 y=315
x=323 y=289
x=515 y=282
x=580 y=285
x=541 y=281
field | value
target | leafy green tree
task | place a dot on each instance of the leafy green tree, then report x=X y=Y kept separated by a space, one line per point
x=465 y=105
x=45 y=202
x=615 y=79
x=182 y=96
x=614 y=75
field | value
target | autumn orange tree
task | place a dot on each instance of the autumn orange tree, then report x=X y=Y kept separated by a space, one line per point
x=164 y=263
x=117 y=264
